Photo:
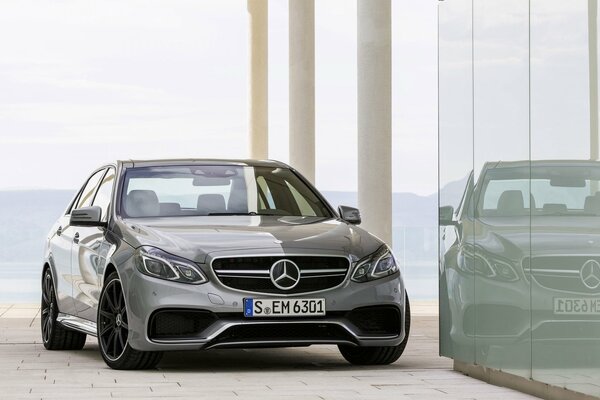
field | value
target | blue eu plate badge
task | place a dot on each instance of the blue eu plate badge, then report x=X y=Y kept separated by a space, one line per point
x=248 y=308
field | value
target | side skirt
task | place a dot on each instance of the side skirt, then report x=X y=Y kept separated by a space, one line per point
x=77 y=324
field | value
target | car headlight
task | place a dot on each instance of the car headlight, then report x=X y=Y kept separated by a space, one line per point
x=159 y=264
x=476 y=260
x=378 y=265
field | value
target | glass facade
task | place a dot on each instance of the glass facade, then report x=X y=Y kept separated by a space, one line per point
x=519 y=188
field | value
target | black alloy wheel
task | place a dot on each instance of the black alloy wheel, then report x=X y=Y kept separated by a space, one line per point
x=112 y=321
x=113 y=330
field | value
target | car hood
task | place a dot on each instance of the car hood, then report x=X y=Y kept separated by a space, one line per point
x=549 y=235
x=197 y=238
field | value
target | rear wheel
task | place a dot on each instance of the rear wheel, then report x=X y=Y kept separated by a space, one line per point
x=378 y=355
x=113 y=331
x=54 y=335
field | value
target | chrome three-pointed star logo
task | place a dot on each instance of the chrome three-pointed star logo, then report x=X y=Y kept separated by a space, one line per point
x=590 y=274
x=285 y=274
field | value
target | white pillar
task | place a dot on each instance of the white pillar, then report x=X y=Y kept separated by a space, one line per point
x=302 y=86
x=259 y=84
x=593 y=64
x=375 y=116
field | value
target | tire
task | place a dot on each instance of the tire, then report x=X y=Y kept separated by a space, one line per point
x=381 y=355
x=445 y=318
x=113 y=331
x=54 y=335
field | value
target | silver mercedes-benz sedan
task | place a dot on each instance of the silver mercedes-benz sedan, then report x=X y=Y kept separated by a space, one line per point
x=152 y=256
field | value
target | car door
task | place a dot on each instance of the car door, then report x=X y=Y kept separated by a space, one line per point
x=103 y=200
x=85 y=245
x=61 y=240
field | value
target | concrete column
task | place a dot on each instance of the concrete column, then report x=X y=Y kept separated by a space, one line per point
x=375 y=116
x=302 y=86
x=259 y=83
x=593 y=64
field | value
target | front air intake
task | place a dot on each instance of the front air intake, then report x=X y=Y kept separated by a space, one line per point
x=376 y=320
x=179 y=324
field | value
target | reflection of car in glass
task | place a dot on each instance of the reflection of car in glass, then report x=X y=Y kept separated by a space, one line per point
x=198 y=254
x=499 y=278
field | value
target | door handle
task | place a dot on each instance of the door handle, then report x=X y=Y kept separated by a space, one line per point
x=76 y=238
x=59 y=231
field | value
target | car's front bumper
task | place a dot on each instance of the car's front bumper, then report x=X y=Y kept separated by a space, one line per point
x=146 y=295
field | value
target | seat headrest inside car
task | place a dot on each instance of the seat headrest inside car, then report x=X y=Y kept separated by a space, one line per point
x=142 y=203
x=211 y=203
x=511 y=203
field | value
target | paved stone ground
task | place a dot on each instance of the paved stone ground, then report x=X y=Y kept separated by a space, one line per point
x=28 y=371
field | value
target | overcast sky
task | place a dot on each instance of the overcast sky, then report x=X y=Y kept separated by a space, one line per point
x=84 y=82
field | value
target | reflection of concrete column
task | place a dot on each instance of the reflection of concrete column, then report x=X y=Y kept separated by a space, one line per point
x=593 y=61
x=302 y=86
x=259 y=111
x=375 y=116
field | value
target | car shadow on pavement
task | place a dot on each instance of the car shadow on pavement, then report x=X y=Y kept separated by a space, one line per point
x=251 y=360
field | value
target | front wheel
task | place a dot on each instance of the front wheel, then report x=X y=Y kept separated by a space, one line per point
x=113 y=331
x=381 y=355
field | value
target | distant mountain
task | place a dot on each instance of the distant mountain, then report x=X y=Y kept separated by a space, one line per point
x=408 y=209
x=26 y=216
x=452 y=193
x=25 y=219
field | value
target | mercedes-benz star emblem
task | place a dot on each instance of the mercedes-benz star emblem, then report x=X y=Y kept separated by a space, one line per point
x=590 y=274
x=285 y=274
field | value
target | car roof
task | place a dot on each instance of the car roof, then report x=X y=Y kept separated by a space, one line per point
x=202 y=161
x=541 y=163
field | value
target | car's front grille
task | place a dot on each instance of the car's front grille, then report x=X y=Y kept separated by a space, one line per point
x=564 y=273
x=252 y=274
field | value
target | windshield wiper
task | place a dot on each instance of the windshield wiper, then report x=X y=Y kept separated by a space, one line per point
x=241 y=213
x=231 y=213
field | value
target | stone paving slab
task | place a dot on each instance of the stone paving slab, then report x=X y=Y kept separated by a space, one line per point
x=28 y=371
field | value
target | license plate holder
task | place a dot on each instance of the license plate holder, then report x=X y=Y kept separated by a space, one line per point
x=576 y=306
x=282 y=307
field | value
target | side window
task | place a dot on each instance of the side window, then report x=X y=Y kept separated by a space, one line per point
x=464 y=208
x=264 y=194
x=305 y=208
x=87 y=194
x=104 y=194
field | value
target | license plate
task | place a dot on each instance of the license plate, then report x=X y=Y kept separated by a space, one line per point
x=576 y=306
x=283 y=307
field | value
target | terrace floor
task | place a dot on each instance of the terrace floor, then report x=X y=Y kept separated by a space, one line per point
x=28 y=371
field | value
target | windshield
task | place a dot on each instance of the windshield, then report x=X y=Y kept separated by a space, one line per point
x=542 y=191
x=172 y=191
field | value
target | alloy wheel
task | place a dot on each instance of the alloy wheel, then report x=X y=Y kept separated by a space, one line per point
x=112 y=321
x=48 y=300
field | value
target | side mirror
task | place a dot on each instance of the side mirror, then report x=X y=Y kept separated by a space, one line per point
x=87 y=216
x=350 y=214
x=446 y=216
